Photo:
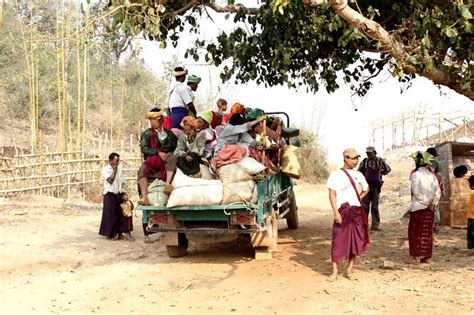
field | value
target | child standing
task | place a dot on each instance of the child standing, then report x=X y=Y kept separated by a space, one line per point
x=470 y=219
x=126 y=222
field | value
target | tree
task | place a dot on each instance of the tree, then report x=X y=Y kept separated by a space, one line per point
x=306 y=42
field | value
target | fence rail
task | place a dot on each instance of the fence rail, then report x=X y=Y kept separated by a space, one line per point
x=63 y=174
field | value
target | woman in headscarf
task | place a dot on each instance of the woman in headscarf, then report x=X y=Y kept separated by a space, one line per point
x=157 y=145
x=236 y=132
x=204 y=120
x=425 y=194
x=190 y=147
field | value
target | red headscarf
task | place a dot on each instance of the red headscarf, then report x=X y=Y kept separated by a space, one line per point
x=237 y=108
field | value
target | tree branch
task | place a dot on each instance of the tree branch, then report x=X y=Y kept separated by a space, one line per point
x=232 y=8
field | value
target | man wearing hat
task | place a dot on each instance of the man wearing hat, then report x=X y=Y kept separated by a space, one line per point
x=373 y=167
x=157 y=145
x=180 y=98
x=193 y=83
x=349 y=232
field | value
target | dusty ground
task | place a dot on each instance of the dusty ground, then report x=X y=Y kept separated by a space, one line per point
x=53 y=261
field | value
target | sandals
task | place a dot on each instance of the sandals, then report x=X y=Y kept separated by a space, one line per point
x=414 y=261
x=426 y=260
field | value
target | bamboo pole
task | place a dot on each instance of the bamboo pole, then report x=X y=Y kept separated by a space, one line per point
x=79 y=123
x=59 y=77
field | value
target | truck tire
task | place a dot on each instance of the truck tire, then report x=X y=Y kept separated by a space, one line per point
x=181 y=249
x=292 y=217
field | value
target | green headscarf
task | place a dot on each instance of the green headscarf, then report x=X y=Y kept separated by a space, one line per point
x=194 y=79
x=206 y=116
x=422 y=158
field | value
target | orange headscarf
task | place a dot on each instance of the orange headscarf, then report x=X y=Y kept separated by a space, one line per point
x=237 y=108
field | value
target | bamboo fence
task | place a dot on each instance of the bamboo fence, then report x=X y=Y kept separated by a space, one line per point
x=65 y=174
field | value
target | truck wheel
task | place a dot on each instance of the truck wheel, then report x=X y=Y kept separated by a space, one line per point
x=292 y=216
x=181 y=249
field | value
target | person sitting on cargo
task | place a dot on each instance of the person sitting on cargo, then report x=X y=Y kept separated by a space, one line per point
x=190 y=147
x=203 y=125
x=218 y=115
x=157 y=145
x=236 y=131
x=235 y=134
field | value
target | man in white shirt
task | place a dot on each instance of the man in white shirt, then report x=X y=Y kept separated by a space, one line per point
x=180 y=99
x=349 y=233
x=112 y=176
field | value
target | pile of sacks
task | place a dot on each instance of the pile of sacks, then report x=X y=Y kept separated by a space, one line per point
x=235 y=184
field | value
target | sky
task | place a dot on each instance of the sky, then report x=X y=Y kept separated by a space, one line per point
x=330 y=116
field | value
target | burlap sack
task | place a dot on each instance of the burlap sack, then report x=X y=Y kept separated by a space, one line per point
x=289 y=161
x=238 y=192
x=233 y=173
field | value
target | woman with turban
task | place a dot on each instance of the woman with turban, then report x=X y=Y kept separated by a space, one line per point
x=203 y=125
x=190 y=147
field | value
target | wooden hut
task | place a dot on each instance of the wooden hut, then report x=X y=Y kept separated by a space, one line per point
x=454 y=203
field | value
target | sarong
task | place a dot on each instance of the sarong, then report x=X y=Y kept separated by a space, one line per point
x=110 y=215
x=192 y=167
x=470 y=233
x=420 y=233
x=350 y=238
x=177 y=115
x=125 y=224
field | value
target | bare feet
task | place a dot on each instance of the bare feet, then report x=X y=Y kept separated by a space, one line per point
x=128 y=237
x=332 y=277
x=143 y=202
x=351 y=276
x=168 y=189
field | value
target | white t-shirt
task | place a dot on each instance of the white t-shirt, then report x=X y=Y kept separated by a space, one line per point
x=116 y=186
x=180 y=95
x=339 y=182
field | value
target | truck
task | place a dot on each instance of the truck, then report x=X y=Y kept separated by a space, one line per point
x=257 y=222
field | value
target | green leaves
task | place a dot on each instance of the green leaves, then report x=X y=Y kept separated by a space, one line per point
x=451 y=32
x=288 y=42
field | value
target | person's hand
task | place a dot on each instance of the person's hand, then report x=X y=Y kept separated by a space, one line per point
x=337 y=217
x=431 y=206
x=188 y=158
x=164 y=156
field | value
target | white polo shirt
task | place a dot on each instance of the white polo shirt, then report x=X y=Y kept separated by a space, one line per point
x=180 y=95
x=339 y=182
x=116 y=186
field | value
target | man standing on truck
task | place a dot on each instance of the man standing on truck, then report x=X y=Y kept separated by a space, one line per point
x=112 y=176
x=180 y=99
x=350 y=235
x=373 y=167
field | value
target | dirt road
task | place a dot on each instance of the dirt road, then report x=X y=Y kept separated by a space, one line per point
x=53 y=261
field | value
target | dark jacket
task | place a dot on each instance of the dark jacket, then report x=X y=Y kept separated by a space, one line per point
x=168 y=145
